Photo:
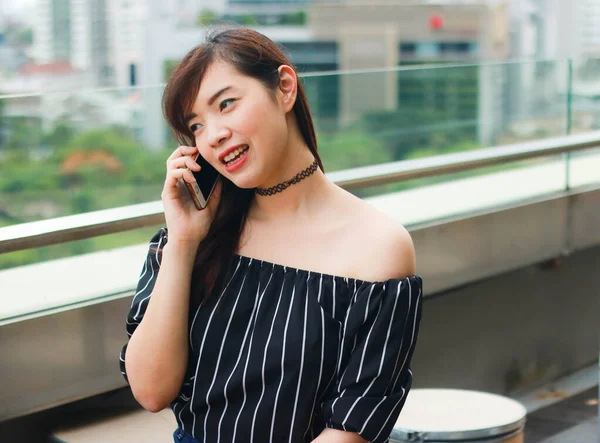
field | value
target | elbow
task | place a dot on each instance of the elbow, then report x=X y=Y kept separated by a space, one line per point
x=153 y=401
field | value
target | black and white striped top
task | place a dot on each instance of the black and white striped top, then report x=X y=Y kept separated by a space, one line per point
x=283 y=353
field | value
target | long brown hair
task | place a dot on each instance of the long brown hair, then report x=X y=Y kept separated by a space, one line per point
x=254 y=55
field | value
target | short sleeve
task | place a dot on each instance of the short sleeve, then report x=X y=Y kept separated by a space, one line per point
x=144 y=289
x=374 y=376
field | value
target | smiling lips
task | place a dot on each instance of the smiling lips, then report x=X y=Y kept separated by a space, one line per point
x=235 y=158
x=231 y=157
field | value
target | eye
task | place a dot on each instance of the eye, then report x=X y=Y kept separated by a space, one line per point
x=224 y=103
x=195 y=127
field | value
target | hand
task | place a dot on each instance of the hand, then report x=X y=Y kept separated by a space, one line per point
x=185 y=223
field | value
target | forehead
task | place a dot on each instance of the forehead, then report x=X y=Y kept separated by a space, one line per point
x=219 y=75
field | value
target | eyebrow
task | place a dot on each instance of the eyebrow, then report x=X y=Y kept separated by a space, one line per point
x=210 y=102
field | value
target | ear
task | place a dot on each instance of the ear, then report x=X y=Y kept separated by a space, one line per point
x=288 y=87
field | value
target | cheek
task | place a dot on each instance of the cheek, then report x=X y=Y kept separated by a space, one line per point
x=207 y=153
x=266 y=125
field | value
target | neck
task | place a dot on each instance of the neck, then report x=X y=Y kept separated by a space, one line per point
x=298 y=201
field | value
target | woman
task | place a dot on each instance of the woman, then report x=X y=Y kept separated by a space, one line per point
x=287 y=309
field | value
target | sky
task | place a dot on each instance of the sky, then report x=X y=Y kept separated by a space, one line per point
x=20 y=9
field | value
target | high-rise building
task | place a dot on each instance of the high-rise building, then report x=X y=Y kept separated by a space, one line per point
x=126 y=20
x=52 y=31
x=75 y=31
x=405 y=32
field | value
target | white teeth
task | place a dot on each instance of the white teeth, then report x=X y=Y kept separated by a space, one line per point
x=234 y=154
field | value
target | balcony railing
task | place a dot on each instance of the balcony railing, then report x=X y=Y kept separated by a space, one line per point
x=77 y=165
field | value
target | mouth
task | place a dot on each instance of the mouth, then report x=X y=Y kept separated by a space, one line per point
x=235 y=155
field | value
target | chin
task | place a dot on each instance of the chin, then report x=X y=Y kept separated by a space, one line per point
x=245 y=182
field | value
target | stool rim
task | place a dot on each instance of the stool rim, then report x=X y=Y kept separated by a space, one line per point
x=406 y=433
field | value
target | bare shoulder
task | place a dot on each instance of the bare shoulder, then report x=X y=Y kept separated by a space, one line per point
x=386 y=247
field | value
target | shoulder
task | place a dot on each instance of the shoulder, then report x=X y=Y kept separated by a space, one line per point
x=387 y=249
x=392 y=248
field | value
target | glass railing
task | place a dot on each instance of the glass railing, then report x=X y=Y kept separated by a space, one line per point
x=85 y=150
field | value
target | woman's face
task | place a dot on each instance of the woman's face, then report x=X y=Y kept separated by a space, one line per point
x=233 y=111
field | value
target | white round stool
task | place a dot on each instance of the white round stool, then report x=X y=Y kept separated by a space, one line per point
x=456 y=415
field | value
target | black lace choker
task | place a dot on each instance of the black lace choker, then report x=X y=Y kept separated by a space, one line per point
x=284 y=185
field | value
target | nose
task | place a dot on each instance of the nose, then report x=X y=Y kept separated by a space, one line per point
x=217 y=134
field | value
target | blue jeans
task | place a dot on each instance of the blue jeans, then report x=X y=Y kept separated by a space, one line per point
x=181 y=437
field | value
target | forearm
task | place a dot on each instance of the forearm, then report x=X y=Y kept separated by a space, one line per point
x=157 y=352
x=335 y=436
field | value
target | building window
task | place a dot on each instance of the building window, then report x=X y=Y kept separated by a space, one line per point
x=434 y=49
x=132 y=75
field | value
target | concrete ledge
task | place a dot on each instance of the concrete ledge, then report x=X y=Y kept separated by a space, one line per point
x=139 y=425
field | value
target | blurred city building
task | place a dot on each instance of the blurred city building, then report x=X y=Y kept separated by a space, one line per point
x=75 y=31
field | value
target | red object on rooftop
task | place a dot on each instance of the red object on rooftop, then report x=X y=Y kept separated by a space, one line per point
x=436 y=22
x=60 y=67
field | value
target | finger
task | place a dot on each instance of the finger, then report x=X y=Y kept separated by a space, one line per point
x=188 y=176
x=216 y=194
x=178 y=163
x=176 y=174
x=181 y=151
x=191 y=164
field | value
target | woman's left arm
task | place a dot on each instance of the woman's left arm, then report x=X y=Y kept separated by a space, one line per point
x=335 y=436
x=379 y=337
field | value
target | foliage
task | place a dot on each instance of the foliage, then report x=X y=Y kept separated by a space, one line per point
x=19 y=35
x=408 y=130
x=207 y=17
x=22 y=133
x=61 y=172
x=351 y=150
x=297 y=18
x=168 y=68
x=247 y=20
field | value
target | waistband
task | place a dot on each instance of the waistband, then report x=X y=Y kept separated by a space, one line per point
x=182 y=437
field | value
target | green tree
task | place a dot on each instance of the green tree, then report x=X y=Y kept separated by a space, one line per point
x=168 y=68
x=207 y=17
x=247 y=20
x=23 y=134
x=60 y=135
x=296 y=18
x=2 y=125
x=351 y=149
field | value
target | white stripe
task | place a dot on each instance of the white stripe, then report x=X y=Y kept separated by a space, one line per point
x=180 y=422
x=133 y=301
x=355 y=336
x=202 y=348
x=339 y=363
x=257 y=301
x=387 y=338
x=248 y=358
x=282 y=360
x=263 y=365
x=389 y=415
x=390 y=385
x=212 y=383
x=320 y=369
x=145 y=267
x=147 y=283
x=175 y=404
x=366 y=315
x=334 y=297
x=362 y=359
x=301 y=361
x=198 y=310
x=180 y=418
x=320 y=288
x=413 y=332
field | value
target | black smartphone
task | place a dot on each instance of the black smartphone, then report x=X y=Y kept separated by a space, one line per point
x=206 y=180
